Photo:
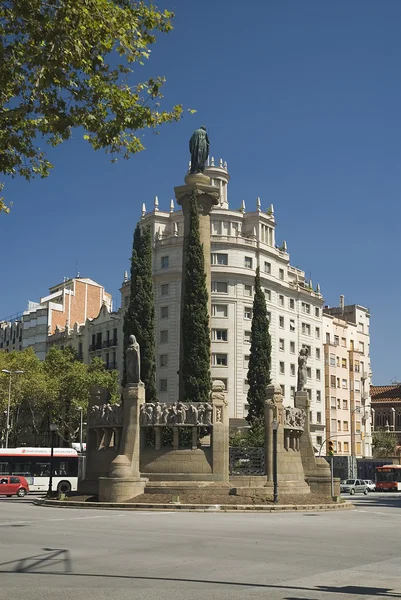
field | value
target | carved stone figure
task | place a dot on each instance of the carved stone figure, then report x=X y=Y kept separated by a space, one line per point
x=302 y=370
x=133 y=361
x=199 y=149
x=165 y=414
x=157 y=413
x=192 y=415
x=181 y=413
x=219 y=414
x=208 y=413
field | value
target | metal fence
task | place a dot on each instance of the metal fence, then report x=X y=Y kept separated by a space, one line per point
x=247 y=461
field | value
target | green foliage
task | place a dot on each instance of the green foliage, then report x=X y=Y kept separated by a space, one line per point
x=52 y=390
x=383 y=443
x=69 y=64
x=260 y=356
x=195 y=318
x=139 y=319
x=248 y=438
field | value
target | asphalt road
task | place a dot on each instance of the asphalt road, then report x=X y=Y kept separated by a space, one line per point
x=94 y=554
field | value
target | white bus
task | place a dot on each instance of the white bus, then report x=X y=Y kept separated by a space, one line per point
x=34 y=465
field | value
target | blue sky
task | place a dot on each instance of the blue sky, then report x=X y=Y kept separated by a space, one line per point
x=302 y=98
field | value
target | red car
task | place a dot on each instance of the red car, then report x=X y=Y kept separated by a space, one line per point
x=11 y=485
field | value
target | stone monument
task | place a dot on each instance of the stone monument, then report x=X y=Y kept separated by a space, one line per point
x=124 y=480
x=197 y=186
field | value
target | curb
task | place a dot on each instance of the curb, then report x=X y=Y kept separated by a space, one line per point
x=131 y=506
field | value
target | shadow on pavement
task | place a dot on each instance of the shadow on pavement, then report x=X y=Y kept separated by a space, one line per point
x=60 y=561
x=378 y=501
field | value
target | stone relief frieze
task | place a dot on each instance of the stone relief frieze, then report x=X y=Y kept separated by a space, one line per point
x=105 y=415
x=176 y=413
x=294 y=418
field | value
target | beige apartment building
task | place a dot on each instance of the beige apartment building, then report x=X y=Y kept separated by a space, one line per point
x=347 y=379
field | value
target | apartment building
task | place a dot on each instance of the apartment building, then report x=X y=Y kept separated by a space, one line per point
x=347 y=379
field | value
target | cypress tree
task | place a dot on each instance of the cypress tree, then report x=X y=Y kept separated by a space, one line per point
x=195 y=316
x=139 y=319
x=260 y=356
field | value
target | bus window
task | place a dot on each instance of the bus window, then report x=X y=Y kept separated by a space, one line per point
x=4 y=468
x=42 y=469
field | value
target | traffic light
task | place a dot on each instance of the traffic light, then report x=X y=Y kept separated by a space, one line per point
x=330 y=448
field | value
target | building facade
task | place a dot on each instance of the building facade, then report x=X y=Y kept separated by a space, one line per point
x=386 y=408
x=347 y=379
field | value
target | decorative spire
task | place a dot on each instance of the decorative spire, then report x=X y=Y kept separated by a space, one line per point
x=285 y=246
x=242 y=209
x=221 y=163
x=318 y=289
x=310 y=284
x=212 y=162
x=171 y=205
x=270 y=210
x=175 y=231
x=254 y=235
x=156 y=203
x=125 y=276
x=143 y=209
x=225 y=165
x=258 y=204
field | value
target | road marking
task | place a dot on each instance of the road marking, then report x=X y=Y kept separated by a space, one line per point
x=376 y=512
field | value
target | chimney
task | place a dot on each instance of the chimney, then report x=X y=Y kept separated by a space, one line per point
x=342 y=303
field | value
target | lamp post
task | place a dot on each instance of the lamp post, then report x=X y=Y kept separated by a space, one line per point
x=81 y=411
x=9 y=373
x=275 y=484
x=53 y=428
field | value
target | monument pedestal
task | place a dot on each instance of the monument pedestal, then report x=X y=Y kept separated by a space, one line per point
x=124 y=481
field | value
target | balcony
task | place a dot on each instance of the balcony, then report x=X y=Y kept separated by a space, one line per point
x=113 y=342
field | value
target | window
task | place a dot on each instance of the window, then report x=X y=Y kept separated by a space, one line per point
x=248 y=262
x=281 y=322
x=282 y=388
x=220 y=287
x=361 y=328
x=318 y=378
x=336 y=340
x=292 y=304
x=317 y=312
x=219 y=310
x=346 y=446
x=358 y=448
x=327 y=338
x=163 y=360
x=337 y=361
x=308 y=372
x=319 y=440
x=318 y=417
x=345 y=425
x=292 y=369
x=338 y=382
x=247 y=290
x=308 y=348
x=317 y=353
x=332 y=381
x=246 y=358
x=164 y=289
x=309 y=392
x=219 y=335
x=292 y=391
x=345 y=405
x=333 y=402
x=219 y=259
x=247 y=312
x=281 y=344
x=216 y=227
x=164 y=312
x=281 y=300
x=268 y=267
x=282 y=368
x=357 y=385
x=163 y=385
x=338 y=403
x=268 y=294
x=281 y=274
x=164 y=262
x=344 y=384
x=247 y=337
x=358 y=427
x=344 y=363
x=338 y=425
x=292 y=347
x=332 y=360
x=317 y=332
x=219 y=360
x=306 y=328
x=339 y=446
x=356 y=366
x=164 y=336
x=318 y=396
x=343 y=342
x=305 y=308
x=361 y=347
x=292 y=324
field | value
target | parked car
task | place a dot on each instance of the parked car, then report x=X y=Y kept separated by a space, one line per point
x=11 y=485
x=371 y=485
x=354 y=486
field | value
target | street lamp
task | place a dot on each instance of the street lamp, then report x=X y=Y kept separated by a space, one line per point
x=275 y=484
x=53 y=428
x=9 y=373
x=81 y=410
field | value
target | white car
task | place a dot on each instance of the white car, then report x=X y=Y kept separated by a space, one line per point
x=353 y=486
x=370 y=485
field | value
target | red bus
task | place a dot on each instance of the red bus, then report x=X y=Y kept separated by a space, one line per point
x=388 y=478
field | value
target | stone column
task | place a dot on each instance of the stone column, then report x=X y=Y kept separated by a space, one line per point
x=220 y=433
x=124 y=481
x=207 y=196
